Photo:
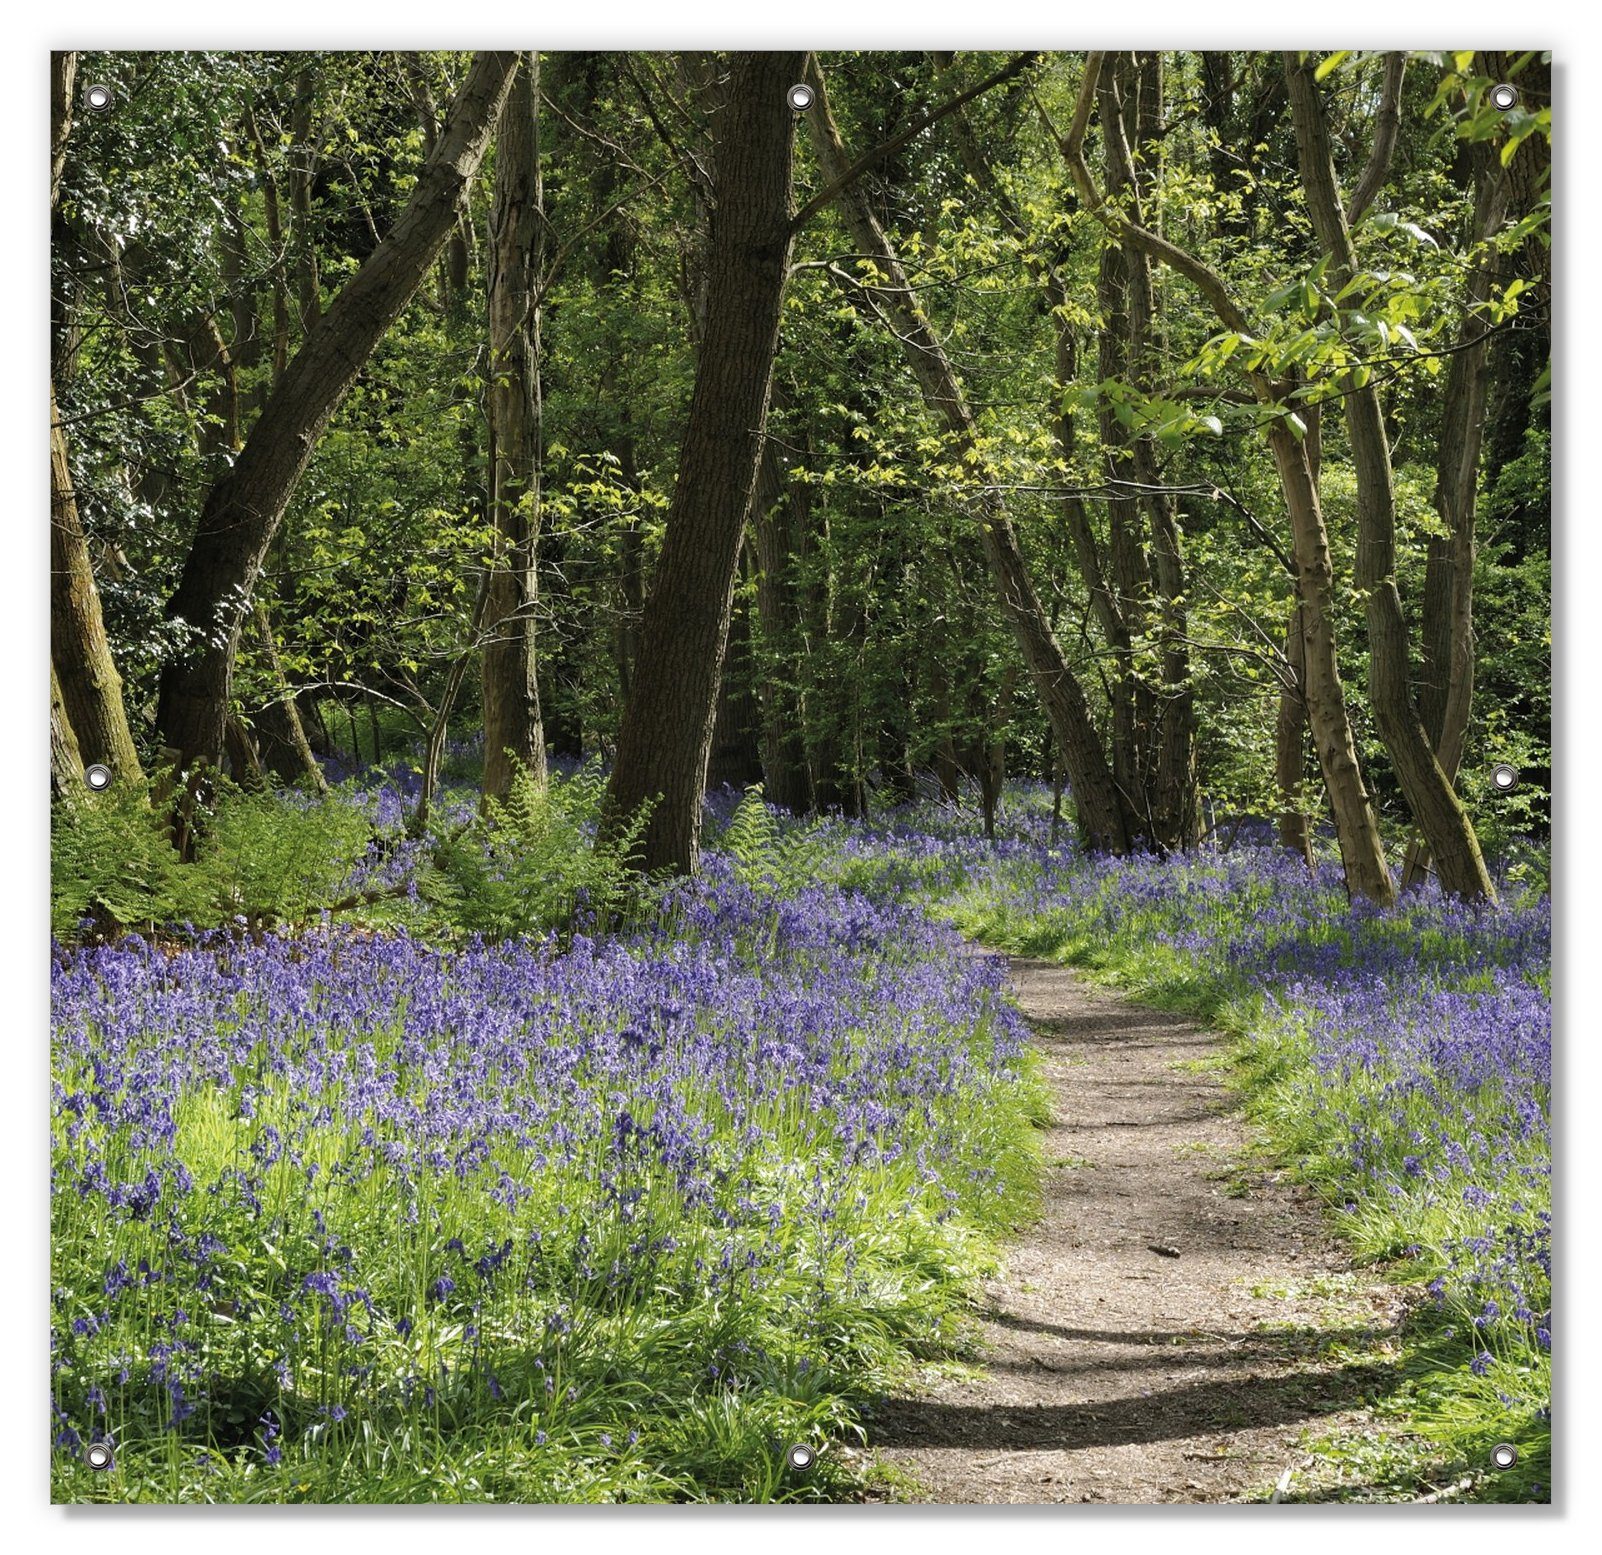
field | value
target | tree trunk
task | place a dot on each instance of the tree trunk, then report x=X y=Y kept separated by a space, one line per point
x=776 y=530
x=512 y=732
x=1438 y=812
x=1101 y=811
x=63 y=82
x=1446 y=681
x=245 y=507
x=1290 y=745
x=244 y=761
x=80 y=653
x=1172 y=798
x=1355 y=824
x=66 y=761
x=286 y=752
x=666 y=732
x=736 y=755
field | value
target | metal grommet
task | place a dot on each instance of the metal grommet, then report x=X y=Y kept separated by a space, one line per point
x=799 y=97
x=800 y=1457
x=99 y=1456
x=97 y=97
x=1504 y=778
x=1504 y=1455
x=1504 y=97
x=97 y=777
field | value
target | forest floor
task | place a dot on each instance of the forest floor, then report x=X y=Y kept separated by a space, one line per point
x=1178 y=1323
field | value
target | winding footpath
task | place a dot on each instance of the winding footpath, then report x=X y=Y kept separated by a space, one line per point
x=1177 y=1319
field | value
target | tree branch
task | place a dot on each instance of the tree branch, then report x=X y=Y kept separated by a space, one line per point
x=1387 y=126
x=1206 y=280
x=871 y=159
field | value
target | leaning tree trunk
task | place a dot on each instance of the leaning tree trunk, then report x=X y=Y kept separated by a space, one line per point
x=245 y=507
x=1437 y=810
x=512 y=732
x=80 y=653
x=1356 y=827
x=280 y=734
x=88 y=721
x=666 y=733
x=1102 y=814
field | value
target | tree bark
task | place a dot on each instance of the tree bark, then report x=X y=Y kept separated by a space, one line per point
x=80 y=653
x=66 y=760
x=245 y=507
x=1356 y=827
x=513 y=735
x=63 y=81
x=1172 y=798
x=666 y=733
x=1437 y=811
x=88 y=722
x=1101 y=810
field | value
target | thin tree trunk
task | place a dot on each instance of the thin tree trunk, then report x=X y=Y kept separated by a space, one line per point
x=63 y=82
x=1437 y=810
x=88 y=722
x=244 y=761
x=736 y=755
x=666 y=732
x=1356 y=827
x=1446 y=681
x=80 y=652
x=1101 y=810
x=1173 y=798
x=513 y=735
x=308 y=283
x=1290 y=745
x=775 y=526
x=245 y=507
x=280 y=734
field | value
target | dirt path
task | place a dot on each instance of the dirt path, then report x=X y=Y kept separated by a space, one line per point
x=1118 y=1373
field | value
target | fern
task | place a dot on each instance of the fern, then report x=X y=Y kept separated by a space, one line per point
x=765 y=853
x=268 y=859
x=113 y=866
x=535 y=861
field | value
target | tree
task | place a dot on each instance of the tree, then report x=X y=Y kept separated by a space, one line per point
x=88 y=721
x=511 y=696
x=1357 y=827
x=243 y=510
x=665 y=737
x=1436 y=809
x=1101 y=808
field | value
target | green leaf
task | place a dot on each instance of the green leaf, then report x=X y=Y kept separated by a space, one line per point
x=1331 y=63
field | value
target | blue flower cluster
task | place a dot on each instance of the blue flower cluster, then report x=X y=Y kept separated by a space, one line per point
x=345 y=1175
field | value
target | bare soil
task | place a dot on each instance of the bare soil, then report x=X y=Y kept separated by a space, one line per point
x=1178 y=1318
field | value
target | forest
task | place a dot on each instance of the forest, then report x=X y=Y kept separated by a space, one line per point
x=584 y=585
